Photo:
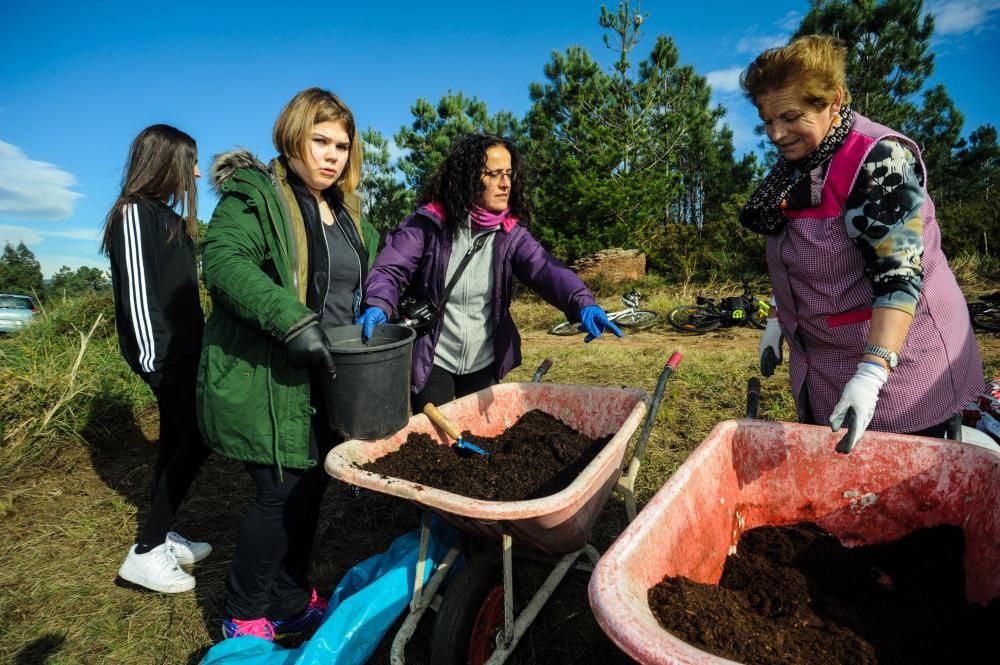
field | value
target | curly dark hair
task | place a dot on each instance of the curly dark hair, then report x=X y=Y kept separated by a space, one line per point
x=457 y=184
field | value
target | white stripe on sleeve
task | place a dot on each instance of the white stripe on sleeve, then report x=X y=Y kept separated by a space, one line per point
x=136 y=273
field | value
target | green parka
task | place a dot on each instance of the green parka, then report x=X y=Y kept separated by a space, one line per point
x=253 y=404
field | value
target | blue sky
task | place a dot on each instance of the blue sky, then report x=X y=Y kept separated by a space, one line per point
x=79 y=80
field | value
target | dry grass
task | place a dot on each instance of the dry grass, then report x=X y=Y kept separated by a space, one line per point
x=69 y=510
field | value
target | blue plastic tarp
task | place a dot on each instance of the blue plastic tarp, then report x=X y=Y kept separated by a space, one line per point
x=365 y=604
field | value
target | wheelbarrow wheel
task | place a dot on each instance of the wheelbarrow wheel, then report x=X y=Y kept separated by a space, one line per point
x=471 y=614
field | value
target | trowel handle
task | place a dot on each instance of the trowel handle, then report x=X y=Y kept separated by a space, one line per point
x=441 y=421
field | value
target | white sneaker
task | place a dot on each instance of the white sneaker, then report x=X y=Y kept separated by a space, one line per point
x=187 y=551
x=157 y=569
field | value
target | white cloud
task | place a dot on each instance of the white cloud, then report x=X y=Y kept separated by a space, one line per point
x=790 y=21
x=76 y=234
x=30 y=189
x=17 y=234
x=955 y=17
x=756 y=44
x=725 y=80
x=51 y=263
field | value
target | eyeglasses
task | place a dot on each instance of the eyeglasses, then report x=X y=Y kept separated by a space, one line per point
x=494 y=176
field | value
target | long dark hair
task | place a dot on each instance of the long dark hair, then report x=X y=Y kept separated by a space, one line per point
x=160 y=166
x=457 y=184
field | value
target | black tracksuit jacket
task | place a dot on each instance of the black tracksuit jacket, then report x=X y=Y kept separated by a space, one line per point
x=155 y=279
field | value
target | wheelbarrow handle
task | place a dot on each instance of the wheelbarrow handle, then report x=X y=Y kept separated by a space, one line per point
x=668 y=369
x=442 y=421
x=753 y=397
x=542 y=369
x=846 y=444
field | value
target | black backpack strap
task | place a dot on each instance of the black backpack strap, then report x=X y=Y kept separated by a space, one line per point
x=477 y=244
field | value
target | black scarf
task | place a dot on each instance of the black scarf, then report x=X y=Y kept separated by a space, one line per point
x=763 y=212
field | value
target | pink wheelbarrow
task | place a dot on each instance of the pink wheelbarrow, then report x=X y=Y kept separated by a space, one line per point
x=752 y=473
x=475 y=621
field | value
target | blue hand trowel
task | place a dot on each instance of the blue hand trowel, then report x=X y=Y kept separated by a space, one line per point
x=449 y=428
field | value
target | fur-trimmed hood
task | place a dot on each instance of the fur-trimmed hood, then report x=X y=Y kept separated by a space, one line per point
x=224 y=165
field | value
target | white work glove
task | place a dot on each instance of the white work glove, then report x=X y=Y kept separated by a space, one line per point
x=860 y=394
x=770 y=347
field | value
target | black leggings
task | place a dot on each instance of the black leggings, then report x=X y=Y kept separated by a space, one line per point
x=442 y=386
x=269 y=574
x=181 y=454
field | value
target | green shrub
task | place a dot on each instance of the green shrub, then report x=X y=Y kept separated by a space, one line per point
x=60 y=378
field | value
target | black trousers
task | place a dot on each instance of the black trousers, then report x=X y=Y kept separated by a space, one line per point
x=442 y=386
x=181 y=454
x=269 y=573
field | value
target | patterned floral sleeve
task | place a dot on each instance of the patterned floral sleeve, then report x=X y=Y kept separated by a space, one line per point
x=883 y=219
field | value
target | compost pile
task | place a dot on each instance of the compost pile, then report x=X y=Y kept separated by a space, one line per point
x=537 y=456
x=796 y=595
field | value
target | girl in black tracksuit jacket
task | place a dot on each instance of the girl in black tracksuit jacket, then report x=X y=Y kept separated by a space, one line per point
x=159 y=321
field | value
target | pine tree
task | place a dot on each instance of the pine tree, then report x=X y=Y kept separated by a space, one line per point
x=20 y=271
x=618 y=156
x=435 y=129
x=386 y=201
x=888 y=46
x=84 y=279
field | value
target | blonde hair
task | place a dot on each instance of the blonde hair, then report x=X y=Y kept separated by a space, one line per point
x=815 y=65
x=307 y=109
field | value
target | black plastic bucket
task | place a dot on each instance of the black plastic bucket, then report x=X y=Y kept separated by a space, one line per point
x=370 y=398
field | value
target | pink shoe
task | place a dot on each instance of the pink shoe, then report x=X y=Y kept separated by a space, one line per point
x=261 y=628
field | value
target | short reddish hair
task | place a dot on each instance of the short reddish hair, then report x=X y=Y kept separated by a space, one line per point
x=815 y=65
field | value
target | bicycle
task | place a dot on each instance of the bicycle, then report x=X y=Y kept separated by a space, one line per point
x=985 y=314
x=732 y=311
x=630 y=317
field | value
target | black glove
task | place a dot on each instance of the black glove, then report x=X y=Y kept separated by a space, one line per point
x=308 y=345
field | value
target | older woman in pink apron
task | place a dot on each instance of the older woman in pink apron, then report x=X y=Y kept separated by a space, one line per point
x=873 y=317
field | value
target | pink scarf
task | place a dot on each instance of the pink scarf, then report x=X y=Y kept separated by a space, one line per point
x=484 y=219
x=481 y=217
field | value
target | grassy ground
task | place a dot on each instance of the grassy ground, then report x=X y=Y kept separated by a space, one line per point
x=78 y=447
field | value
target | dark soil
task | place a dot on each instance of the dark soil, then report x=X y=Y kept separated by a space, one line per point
x=537 y=456
x=796 y=595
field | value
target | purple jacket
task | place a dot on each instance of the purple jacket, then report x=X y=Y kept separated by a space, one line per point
x=416 y=254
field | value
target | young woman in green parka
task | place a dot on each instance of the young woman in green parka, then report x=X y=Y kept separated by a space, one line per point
x=286 y=251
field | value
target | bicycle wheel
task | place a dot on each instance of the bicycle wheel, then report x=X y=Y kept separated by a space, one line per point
x=637 y=319
x=564 y=329
x=986 y=318
x=758 y=313
x=691 y=318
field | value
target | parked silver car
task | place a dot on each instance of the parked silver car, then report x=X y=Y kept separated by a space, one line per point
x=16 y=312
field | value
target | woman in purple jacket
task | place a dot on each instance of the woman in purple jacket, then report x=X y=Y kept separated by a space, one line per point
x=474 y=204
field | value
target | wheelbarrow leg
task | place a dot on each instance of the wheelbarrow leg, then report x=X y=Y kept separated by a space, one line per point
x=514 y=629
x=423 y=597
